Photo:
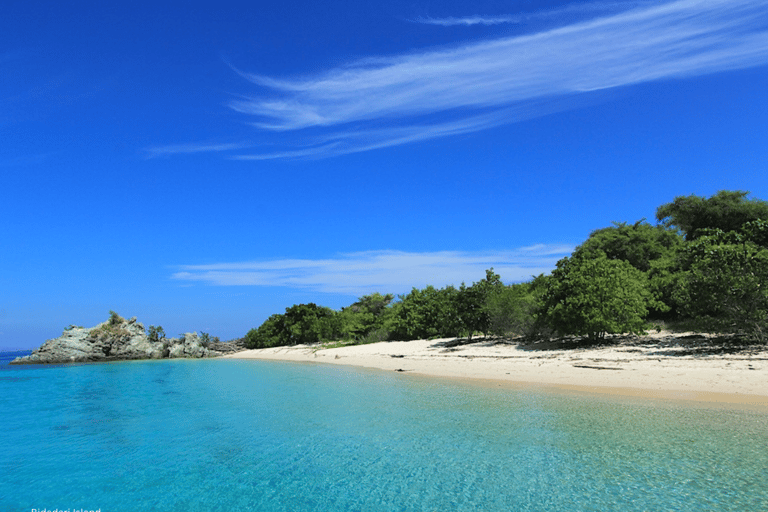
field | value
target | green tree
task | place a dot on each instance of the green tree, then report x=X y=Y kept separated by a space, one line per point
x=268 y=334
x=726 y=210
x=639 y=244
x=756 y=231
x=651 y=249
x=426 y=313
x=596 y=296
x=115 y=319
x=725 y=285
x=309 y=323
x=512 y=309
x=155 y=333
x=472 y=304
x=367 y=318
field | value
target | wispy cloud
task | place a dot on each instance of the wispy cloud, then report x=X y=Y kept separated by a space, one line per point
x=395 y=100
x=360 y=273
x=194 y=147
x=469 y=20
x=342 y=142
x=584 y=9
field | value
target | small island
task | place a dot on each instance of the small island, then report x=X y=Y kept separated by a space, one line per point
x=119 y=339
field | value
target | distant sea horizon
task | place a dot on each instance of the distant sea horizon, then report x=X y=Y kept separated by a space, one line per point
x=221 y=435
x=7 y=356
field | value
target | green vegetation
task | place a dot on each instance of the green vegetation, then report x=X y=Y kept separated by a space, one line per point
x=111 y=329
x=726 y=210
x=300 y=324
x=206 y=339
x=115 y=319
x=595 y=296
x=155 y=333
x=705 y=263
x=725 y=281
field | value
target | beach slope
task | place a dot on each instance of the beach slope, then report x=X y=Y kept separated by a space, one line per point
x=683 y=366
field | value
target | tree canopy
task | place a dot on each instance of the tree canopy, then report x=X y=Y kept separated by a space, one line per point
x=638 y=244
x=726 y=210
x=725 y=284
x=596 y=296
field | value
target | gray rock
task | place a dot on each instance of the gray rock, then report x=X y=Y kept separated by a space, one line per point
x=228 y=347
x=190 y=345
x=114 y=340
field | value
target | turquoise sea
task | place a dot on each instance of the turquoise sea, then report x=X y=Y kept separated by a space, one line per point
x=227 y=435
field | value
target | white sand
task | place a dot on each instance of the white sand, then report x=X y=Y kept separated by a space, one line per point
x=654 y=366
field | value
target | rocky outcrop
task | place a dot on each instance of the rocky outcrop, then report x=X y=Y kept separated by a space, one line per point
x=118 y=339
x=228 y=347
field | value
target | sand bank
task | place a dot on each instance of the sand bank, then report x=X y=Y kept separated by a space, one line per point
x=663 y=365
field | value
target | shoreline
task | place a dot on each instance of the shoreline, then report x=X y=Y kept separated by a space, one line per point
x=655 y=366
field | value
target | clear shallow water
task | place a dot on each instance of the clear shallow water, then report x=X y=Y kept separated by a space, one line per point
x=226 y=435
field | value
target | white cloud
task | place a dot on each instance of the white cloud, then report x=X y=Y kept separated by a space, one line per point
x=583 y=8
x=194 y=147
x=469 y=20
x=365 y=272
x=471 y=87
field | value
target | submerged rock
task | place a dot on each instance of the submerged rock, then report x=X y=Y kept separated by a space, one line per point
x=118 y=339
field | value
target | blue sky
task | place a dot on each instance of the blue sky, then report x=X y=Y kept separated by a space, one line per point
x=204 y=165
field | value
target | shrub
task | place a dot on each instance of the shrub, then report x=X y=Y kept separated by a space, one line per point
x=206 y=339
x=512 y=310
x=726 y=284
x=115 y=319
x=596 y=296
x=155 y=333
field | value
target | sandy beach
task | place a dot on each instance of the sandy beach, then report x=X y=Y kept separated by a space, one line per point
x=680 y=366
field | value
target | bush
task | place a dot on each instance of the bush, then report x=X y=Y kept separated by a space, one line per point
x=512 y=310
x=596 y=296
x=427 y=313
x=115 y=319
x=368 y=315
x=268 y=334
x=726 y=284
x=155 y=334
x=206 y=339
x=300 y=324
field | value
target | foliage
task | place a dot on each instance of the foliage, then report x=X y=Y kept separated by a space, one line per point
x=309 y=323
x=111 y=329
x=596 y=296
x=756 y=231
x=726 y=282
x=301 y=324
x=651 y=249
x=472 y=304
x=639 y=244
x=268 y=334
x=726 y=210
x=206 y=339
x=374 y=336
x=370 y=314
x=430 y=312
x=426 y=313
x=115 y=319
x=512 y=309
x=155 y=334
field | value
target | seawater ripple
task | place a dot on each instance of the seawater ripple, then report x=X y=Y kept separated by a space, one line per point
x=219 y=435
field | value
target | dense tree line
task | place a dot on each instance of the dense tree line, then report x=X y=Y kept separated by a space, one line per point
x=705 y=261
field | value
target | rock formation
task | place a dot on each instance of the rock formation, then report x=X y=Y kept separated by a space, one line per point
x=119 y=339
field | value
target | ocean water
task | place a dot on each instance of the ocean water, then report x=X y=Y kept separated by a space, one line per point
x=226 y=435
